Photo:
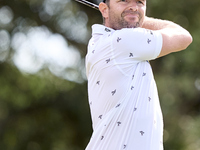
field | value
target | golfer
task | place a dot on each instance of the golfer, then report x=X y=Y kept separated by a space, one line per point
x=123 y=97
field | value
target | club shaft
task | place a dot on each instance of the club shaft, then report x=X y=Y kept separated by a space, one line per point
x=88 y=4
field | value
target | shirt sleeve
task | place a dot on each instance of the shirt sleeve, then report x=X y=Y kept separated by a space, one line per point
x=140 y=44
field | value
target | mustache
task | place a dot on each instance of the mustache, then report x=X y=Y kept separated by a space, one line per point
x=124 y=13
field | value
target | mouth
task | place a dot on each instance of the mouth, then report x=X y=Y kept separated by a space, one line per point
x=130 y=15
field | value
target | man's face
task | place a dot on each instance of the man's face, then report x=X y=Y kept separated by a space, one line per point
x=125 y=14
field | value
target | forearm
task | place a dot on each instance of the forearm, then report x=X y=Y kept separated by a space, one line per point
x=158 y=24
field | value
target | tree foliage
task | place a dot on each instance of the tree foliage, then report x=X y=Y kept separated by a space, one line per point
x=47 y=109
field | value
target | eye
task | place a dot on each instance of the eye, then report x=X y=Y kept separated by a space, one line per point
x=140 y=2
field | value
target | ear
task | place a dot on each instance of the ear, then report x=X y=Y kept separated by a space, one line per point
x=103 y=9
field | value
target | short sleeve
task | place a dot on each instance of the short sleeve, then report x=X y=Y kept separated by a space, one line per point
x=140 y=44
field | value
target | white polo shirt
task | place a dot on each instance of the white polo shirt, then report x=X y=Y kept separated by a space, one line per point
x=123 y=98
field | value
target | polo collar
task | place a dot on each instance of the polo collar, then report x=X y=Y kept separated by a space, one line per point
x=101 y=29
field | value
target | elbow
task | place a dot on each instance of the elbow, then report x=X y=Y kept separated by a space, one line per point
x=187 y=41
x=190 y=39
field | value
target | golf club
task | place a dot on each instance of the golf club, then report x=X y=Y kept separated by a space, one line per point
x=88 y=4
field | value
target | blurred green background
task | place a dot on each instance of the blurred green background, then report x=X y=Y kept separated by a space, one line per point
x=43 y=86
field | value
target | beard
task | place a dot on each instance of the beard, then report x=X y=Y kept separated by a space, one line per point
x=118 y=23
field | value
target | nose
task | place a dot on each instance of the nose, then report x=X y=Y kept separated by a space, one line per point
x=133 y=6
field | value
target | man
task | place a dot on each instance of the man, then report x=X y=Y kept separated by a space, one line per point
x=123 y=96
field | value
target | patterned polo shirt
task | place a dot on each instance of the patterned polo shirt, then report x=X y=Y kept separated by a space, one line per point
x=123 y=97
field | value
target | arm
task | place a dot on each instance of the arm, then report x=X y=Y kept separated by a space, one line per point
x=175 y=38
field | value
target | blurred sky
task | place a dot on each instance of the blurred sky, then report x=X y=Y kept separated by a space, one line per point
x=40 y=47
